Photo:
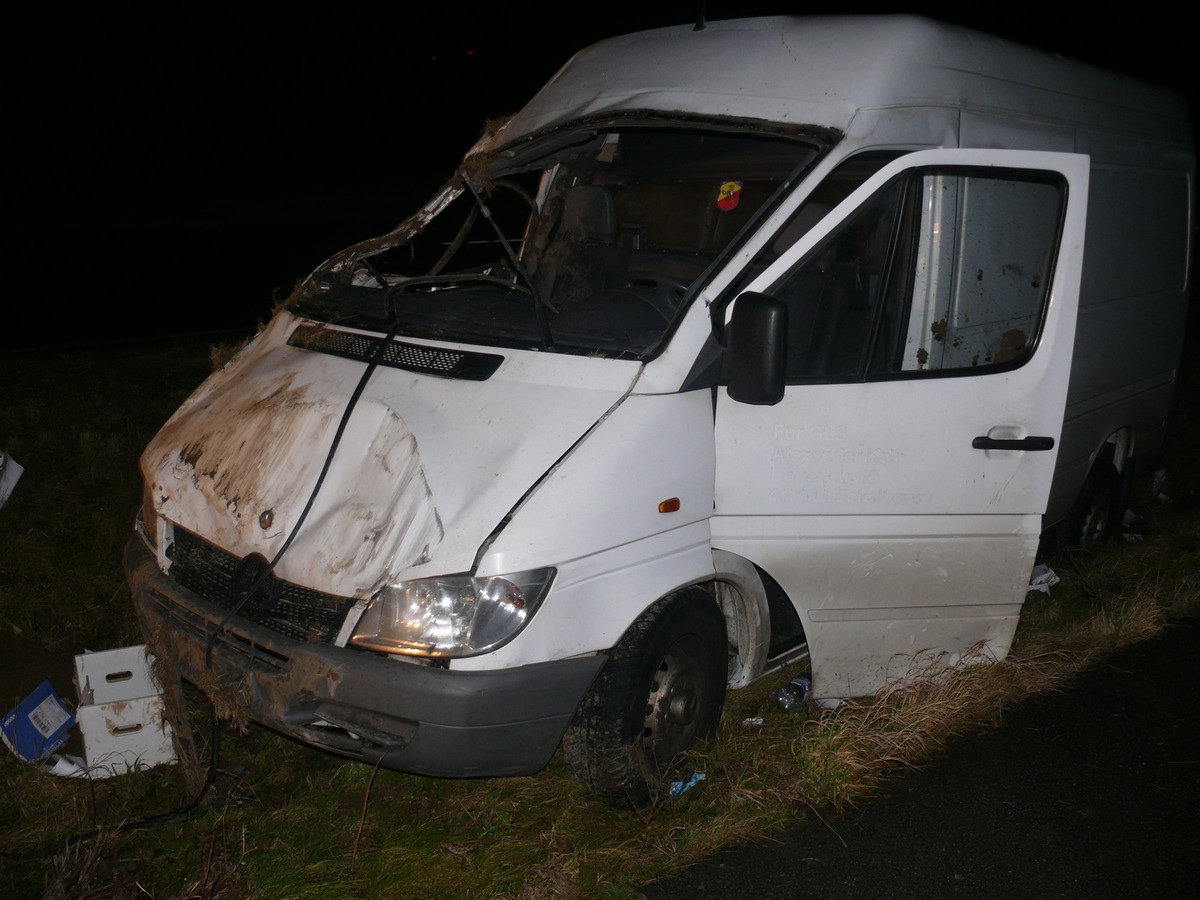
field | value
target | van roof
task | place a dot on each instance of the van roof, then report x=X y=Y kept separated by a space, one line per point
x=820 y=71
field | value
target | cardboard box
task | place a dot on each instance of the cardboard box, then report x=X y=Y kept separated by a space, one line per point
x=38 y=726
x=121 y=712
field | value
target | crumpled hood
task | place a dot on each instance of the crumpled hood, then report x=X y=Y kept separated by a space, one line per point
x=426 y=468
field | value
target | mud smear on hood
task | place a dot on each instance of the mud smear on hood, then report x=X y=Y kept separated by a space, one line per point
x=238 y=466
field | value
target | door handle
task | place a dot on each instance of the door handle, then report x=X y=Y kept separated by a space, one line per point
x=1029 y=443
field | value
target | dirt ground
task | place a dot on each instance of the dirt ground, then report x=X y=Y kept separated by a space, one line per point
x=1091 y=792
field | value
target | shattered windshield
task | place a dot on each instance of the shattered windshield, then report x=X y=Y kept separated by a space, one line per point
x=586 y=243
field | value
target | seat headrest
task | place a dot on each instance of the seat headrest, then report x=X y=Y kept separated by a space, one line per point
x=589 y=215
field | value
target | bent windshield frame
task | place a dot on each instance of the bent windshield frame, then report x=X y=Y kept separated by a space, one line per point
x=592 y=245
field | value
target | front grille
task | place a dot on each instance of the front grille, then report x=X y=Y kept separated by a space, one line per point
x=184 y=620
x=398 y=354
x=288 y=609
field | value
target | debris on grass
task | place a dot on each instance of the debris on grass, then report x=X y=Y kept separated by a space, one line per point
x=38 y=725
x=10 y=472
x=679 y=787
x=1042 y=578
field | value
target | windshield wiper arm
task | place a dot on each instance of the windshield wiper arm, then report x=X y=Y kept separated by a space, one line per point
x=452 y=277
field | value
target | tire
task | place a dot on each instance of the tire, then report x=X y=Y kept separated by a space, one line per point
x=1096 y=515
x=660 y=693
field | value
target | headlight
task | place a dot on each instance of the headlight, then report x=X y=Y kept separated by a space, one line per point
x=456 y=615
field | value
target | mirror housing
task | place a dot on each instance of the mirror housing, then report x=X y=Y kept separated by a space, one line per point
x=756 y=349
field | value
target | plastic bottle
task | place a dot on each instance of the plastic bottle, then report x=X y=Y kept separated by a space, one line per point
x=792 y=696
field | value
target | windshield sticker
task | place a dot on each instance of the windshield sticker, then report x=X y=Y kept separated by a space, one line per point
x=729 y=196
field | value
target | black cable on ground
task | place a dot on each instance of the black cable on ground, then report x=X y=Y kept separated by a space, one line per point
x=183 y=814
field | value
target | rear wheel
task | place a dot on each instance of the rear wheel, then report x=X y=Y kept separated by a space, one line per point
x=660 y=693
x=1096 y=515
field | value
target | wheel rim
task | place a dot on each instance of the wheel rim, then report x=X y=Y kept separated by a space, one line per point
x=1095 y=524
x=679 y=694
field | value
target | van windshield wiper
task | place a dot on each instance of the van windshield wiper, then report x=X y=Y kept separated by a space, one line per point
x=540 y=304
x=454 y=277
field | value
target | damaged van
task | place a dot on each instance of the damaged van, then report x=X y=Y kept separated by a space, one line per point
x=773 y=342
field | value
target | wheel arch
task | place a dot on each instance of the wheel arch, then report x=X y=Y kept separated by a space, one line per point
x=742 y=599
x=1117 y=449
x=1097 y=506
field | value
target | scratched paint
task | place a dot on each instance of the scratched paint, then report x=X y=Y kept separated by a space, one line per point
x=425 y=468
x=239 y=463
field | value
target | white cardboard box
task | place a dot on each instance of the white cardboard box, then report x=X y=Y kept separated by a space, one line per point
x=121 y=712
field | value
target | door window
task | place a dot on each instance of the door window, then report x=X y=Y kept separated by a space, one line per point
x=941 y=271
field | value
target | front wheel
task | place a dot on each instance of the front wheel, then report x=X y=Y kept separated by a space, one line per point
x=660 y=693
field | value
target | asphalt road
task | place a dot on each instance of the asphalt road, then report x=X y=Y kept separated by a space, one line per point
x=1090 y=792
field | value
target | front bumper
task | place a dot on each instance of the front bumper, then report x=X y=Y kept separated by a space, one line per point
x=400 y=715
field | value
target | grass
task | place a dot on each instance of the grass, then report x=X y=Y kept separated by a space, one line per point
x=285 y=821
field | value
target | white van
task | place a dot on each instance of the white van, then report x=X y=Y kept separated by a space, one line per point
x=778 y=341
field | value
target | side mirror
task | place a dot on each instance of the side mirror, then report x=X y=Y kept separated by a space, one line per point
x=756 y=351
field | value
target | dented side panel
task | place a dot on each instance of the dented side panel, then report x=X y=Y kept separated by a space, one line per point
x=424 y=471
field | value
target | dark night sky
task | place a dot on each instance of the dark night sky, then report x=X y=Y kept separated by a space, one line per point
x=173 y=174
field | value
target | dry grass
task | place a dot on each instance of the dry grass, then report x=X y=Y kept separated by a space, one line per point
x=913 y=720
x=83 y=869
x=765 y=778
